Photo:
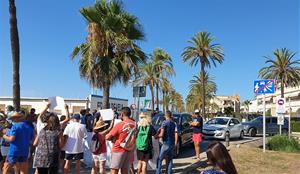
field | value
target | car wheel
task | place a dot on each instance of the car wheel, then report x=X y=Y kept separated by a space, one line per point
x=252 y=132
x=242 y=135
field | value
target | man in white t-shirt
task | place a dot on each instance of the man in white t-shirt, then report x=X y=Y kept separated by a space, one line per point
x=74 y=135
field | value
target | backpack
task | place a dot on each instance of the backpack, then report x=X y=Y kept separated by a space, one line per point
x=129 y=142
x=142 y=141
x=95 y=143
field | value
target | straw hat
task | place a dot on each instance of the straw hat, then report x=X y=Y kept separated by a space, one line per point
x=100 y=124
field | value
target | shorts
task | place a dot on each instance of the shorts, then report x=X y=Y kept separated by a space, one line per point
x=197 y=137
x=100 y=157
x=16 y=159
x=4 y=150
x=62 y=154
x=75 y=156
x=144 y=155
x=120 y=160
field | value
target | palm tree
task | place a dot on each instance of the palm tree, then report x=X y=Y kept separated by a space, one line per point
x=247 y=104
x=149 y=77
x=163 y=67
x=282 y=68
x=110 y=53
x=166 y=88
x=15 y=48
x=205 y=52
x=193 y=101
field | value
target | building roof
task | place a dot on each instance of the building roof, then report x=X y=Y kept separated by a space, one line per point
x=113 y=98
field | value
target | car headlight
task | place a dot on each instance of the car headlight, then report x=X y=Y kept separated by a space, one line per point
x=246 y=126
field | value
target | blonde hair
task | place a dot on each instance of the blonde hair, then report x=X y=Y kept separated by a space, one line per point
x=144 y=120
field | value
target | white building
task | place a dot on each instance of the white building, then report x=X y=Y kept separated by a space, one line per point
x=291 y=94
x=222 y=102
x=75 y=105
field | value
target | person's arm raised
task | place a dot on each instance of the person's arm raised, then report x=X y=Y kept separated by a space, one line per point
x=44 y=111
x=110 y=127
x=67 y=114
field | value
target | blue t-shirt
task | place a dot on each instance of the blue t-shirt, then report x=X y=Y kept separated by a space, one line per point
x=169 y=134
x=23 y=134
x=198 y=129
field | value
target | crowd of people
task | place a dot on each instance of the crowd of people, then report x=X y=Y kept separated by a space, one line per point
x=51 y=143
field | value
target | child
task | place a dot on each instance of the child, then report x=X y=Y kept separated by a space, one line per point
x=99 y=157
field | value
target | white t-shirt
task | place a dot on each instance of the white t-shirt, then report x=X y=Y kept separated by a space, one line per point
x=39 y=125
x=76 y=133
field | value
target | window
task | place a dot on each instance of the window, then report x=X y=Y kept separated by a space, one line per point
x=235 y=121
x=274 y=120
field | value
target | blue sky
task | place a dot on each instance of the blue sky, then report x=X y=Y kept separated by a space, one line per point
x=49 y=30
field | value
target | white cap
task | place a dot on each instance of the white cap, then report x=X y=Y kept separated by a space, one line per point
x=197 y=111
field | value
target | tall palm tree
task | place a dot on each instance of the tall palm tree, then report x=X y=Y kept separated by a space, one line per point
x=205 y=52
x=163 y=67
x=193 y=101
x=247 y=104
x=282 y=68
x=166 y=88
x=15 y=48
x=110 y=53
x=149 y=77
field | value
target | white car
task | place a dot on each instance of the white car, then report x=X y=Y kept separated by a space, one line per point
x=220 y=127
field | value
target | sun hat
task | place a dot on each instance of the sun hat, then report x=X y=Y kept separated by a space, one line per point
x=100 y=124
x=197 y=111
x=14 y=114
x=76 y=116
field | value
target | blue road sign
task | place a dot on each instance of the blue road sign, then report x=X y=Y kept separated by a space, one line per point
x=264 y=86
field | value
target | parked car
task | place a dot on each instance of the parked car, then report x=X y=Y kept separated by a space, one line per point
x=254 y=127
x=220 y=127
x=183 y=127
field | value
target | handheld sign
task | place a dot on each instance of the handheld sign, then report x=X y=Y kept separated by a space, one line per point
x=56 y=103
x=107 y=114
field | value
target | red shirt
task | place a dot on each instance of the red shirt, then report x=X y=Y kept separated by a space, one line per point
x=102 y=142
x=119 y=132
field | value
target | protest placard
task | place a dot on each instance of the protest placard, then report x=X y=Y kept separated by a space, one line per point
x=56 y=103
x=107 y=114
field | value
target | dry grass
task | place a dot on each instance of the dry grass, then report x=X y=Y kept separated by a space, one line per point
x=250 y=160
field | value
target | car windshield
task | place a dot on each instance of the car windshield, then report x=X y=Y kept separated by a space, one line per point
x=157 y=120
x=220 y=121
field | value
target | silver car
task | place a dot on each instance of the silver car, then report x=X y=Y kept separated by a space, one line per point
x=220 y=127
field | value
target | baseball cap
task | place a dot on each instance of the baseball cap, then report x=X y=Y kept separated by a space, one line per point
x=197 y=111
x=76 y=116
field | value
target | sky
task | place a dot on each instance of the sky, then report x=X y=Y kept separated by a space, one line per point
x=49 y=30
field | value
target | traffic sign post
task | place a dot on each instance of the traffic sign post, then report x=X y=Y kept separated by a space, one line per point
x=264 y=87
x=280 y=110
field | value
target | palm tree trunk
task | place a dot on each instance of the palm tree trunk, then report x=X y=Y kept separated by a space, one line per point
x=203 y=89
x=15 y=48
x=105 y=98
x=152 y=96
x=163 y=93
x=282 y=89
x=157 y=97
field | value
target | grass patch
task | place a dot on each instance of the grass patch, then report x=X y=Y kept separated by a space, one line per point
x=284 y=144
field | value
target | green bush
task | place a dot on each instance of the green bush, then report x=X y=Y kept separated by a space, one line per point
x=284 y=144
x=295 y=126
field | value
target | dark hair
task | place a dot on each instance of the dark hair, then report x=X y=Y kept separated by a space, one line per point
x=126 y=111
x=82 y=111
x=32 y=110
x=62 y=118
x=46 y=116
x=53 y=123
x=218 y=155
x=168 y=113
